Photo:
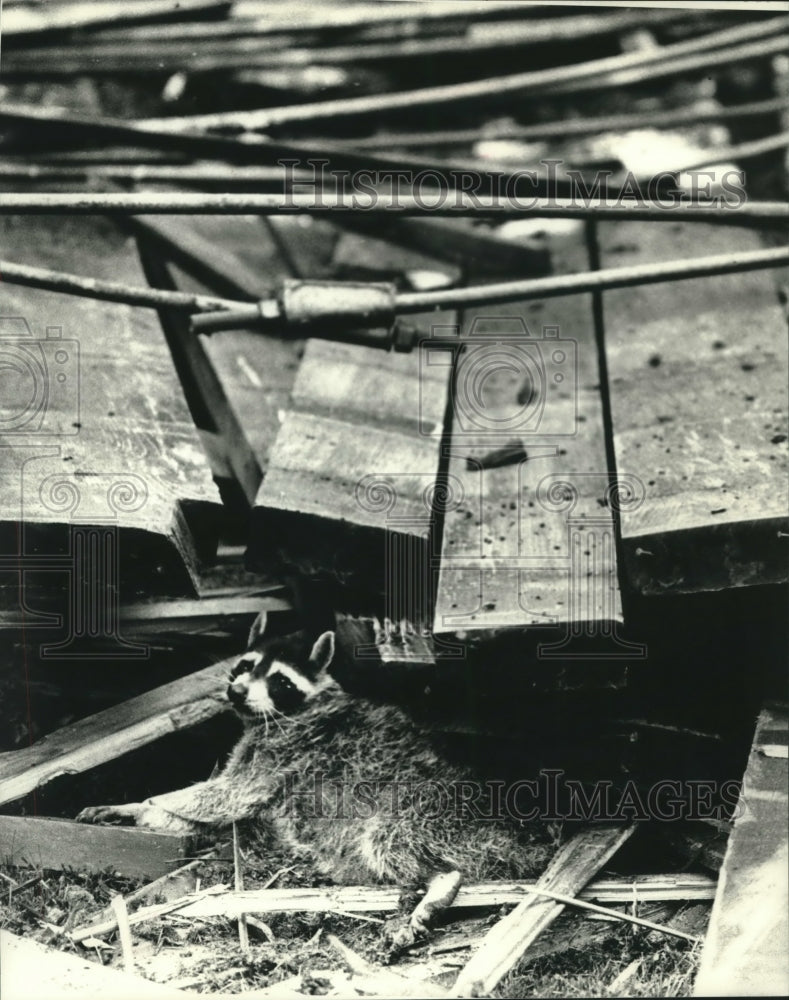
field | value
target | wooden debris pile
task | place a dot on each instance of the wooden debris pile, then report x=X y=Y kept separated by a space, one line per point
x=335 y=311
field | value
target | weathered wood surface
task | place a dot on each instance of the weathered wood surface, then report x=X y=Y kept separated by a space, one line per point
x=28 y=970
x=571 y=868
x=698 y=378
x=115 y=731
x=747 y=948
x=111 y=444
x=528 y=537
x=243 y=377
x=349 y=493
x=56 y=844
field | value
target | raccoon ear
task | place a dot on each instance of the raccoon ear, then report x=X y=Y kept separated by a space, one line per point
x=257 y=630
x=323 y=651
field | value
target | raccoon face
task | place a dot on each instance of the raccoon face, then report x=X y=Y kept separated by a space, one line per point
x=280 y=676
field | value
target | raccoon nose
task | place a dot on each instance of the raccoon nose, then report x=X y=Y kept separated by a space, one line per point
x=237 y=692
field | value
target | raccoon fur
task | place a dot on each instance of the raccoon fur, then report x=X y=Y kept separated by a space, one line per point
x=353 y=786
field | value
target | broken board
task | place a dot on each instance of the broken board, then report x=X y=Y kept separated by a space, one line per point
x=528 y=536
x=574 y=864
x=41 y=842
x=98 y=447
x=698 y=375
x=115 y=731
x=746 y=952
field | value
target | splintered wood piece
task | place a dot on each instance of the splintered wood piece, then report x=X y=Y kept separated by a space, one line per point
x=530 y=542
x=351 y=484
x=172 y=885
x=644 y=889
x=569 y=871
x=31 y=970
x=61 y=843
x=697 y=377
x=101 y=433
x=118 y=904
x=746 y=948
x=115 y=731
x=238 y=882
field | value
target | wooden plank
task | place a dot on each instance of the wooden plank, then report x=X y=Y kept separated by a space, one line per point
x=31 y=970
x=354 y=429
x=113 y=443
x=530 y=541
x=348 y=496
x=56 y=844
x=747 y=948
x=115 y=731
x=572 y=867
x=193 y=616
x=697 y=375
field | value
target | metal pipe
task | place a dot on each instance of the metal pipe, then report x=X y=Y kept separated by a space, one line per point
x=667 y=61
x=99 y=58
x=108 y=291
x=404 y=303
x=329 y=305
x=571 y=126
x=434 y=202
x=592 y=281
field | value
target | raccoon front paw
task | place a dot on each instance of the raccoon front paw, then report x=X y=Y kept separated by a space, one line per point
x=130 y=812
x=143 y=814
x=398 y=935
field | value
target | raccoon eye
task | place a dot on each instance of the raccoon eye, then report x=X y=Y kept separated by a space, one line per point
x=246 y=665
x=284 y=693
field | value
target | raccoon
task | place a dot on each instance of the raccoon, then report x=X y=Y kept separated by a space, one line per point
x=353 y=785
